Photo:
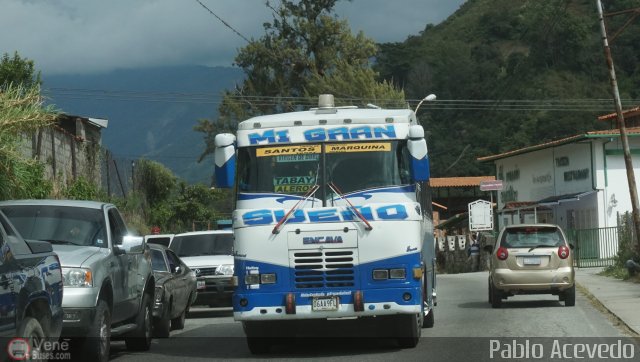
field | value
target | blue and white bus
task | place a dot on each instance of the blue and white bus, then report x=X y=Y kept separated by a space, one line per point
x=332 y=221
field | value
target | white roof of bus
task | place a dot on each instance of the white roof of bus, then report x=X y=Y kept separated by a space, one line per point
x=332 y=116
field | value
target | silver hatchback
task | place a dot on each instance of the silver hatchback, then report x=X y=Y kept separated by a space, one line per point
x=531 y=259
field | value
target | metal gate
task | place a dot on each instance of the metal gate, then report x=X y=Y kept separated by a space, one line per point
x=594 y=247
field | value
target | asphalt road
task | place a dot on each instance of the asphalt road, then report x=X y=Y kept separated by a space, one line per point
x=466 y=329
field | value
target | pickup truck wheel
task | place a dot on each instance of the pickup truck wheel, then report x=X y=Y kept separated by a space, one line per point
x=98 y=342
x=140 y=339
x=32 y=331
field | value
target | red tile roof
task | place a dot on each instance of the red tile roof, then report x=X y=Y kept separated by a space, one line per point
x=626 y=114
x=471 y=181
x=518 y=204
x=631 y=131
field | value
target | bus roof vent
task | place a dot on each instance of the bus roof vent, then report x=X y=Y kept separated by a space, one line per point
x=325 y=104
x=326 y=101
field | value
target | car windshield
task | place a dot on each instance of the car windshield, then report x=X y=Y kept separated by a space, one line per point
x=157 y=261
x=532 y=236
x=203 y=244
x=59 y=224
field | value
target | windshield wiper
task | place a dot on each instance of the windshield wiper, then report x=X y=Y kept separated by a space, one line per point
x=335 y=189
x=286 y=216
x=541 y=246
x=60 y=242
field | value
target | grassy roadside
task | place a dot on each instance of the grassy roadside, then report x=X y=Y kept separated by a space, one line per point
x=620 y=272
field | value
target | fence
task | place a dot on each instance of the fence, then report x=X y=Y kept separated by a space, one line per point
x=117 y=174
x=594 y=247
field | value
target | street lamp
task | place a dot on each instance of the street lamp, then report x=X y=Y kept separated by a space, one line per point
x=429 y=98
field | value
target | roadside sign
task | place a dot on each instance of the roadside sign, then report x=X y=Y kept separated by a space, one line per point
x=480 y=215
x=491 y=185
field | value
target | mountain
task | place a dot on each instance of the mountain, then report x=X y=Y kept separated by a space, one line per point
x=512 y=73
x=151 y=111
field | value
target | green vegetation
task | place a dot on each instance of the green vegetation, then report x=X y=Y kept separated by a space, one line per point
x=626 y=251
x=305 y=51
x=21 y=113
x=18 y=71
x=502 y=50
x=158 y=198
x=494 y=51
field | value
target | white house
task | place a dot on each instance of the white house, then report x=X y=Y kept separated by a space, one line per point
x=578 y=182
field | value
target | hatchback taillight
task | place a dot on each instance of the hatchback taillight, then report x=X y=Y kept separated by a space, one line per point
x=502 y=253
x=563 y=252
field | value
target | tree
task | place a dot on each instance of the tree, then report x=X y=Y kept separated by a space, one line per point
x=194 y=203
x=154 y=181
x=305 y=51
x=19 y=72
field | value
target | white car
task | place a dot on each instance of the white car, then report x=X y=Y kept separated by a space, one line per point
x=210 y=255
x=162 y=239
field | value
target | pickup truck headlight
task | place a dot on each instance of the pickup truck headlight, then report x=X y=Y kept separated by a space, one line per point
x=77 y=277
x=225 y=269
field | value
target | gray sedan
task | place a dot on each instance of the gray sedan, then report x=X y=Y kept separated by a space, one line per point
x=175 y=290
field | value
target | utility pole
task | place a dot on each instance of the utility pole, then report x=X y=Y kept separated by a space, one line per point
x=133 y=175
x=631 y=179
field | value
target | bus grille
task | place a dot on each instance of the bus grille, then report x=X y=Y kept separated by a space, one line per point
x=324 y=268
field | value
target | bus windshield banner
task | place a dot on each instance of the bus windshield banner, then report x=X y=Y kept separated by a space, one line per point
x=358 y=147
x=287 y=150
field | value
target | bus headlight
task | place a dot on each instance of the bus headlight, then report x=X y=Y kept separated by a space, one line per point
x=268 y=278
x=380 y=274
x=252 y=279
x=384 y=274
x=397 y=273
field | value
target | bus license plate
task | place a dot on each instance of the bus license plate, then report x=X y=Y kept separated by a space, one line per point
x=324 y=303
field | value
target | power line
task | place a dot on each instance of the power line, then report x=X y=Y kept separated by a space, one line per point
x=149 y=157
x=566 y=105
x=223 y=22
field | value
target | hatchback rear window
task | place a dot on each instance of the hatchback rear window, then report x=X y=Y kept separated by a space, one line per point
x=527 y=237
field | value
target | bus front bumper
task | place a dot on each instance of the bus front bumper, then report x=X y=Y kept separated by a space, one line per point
x=302 y=305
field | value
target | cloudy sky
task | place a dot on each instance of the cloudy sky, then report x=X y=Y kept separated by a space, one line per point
x=87 y=36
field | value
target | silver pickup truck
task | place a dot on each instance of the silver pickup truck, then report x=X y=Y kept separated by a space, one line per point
x=108 y=280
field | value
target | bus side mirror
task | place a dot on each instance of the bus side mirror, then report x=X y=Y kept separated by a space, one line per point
x=417 y=146
x=225 y=160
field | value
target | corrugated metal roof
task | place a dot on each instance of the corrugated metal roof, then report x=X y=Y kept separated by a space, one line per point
x=471 y=181
x=632 y=131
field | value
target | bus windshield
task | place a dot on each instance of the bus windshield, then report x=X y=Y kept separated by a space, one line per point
x=295 y=169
